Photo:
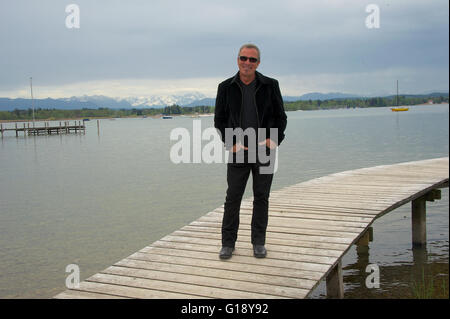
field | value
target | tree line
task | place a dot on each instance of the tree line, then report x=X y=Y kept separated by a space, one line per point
x=58 y=114
x=362 y=102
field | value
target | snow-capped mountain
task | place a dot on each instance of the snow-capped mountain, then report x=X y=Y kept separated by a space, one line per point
x=138 y=101
x=164 y=100
x=100 y=101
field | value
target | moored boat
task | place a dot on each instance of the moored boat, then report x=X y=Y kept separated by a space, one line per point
x=399 y=109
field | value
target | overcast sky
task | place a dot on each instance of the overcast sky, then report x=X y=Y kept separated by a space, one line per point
x=150 y=47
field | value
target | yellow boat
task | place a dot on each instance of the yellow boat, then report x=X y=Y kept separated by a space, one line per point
x=399 y=109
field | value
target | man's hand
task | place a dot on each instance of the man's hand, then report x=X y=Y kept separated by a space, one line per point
x=269 y=143
x=238 y=146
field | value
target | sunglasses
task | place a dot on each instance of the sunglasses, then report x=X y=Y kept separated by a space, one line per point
x=244 y=58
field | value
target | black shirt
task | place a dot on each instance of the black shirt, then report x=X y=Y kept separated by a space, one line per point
x=249 y=116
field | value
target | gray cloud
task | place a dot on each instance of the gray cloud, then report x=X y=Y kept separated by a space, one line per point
x=324 y=41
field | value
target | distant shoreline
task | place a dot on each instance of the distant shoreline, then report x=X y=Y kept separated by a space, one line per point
x=192 y=115
x=93 y=118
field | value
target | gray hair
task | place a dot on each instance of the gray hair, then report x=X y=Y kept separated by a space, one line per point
x=250 y=46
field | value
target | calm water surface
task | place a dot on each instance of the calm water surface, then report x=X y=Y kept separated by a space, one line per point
x=94 y=199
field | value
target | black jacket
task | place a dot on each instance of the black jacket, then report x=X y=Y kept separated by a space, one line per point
x=269 y=105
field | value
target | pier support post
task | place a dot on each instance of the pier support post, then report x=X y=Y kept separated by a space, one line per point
x=418 y=217
x=335 y=282
x=365 y=238
x=362 y=246
x=419 y=224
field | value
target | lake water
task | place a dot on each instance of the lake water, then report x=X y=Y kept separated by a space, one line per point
x=92 y=199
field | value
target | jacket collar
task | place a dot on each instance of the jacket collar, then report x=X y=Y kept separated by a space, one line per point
x=259 y=78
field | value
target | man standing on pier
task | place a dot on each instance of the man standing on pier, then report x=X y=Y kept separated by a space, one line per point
x=248 y=105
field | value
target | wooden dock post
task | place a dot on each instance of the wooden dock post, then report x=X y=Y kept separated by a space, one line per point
x=335 y=282
x=418 y=216
x=362 y=245
x=365 y=238
x=1 y=129
x=98 y=127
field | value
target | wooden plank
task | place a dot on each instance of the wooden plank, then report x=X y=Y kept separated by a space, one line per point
x=292 y=237
x=346 y=211
x=339 y=201
x=368 y=184
x=208 y=286
x=269 y=240
x=159 y=288
x=345 y=194
x=116 y=289
x=338 y=187
x=340 y=219
x=310 y=211
x=287 y=221
x=245 y=252
x=226 y=265
x=313 y=215
x=272 y=247
x=316 y=208
x=237 y=257
x=289 y=230
x=77 y=294
x=278 y=280
x=421 y=176
x=175 y=288
x=369 y=197
x=351 y=204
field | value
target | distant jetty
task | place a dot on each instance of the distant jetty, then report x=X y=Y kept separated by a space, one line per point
x=47 y=129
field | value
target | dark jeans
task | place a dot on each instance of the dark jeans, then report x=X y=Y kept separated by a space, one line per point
x=237 y=176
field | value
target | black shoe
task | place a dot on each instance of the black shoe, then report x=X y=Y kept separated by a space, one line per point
x=226 y=252
x=259 y=251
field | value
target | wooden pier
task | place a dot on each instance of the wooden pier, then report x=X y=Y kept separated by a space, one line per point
x=32 y=129
x=311 y=227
